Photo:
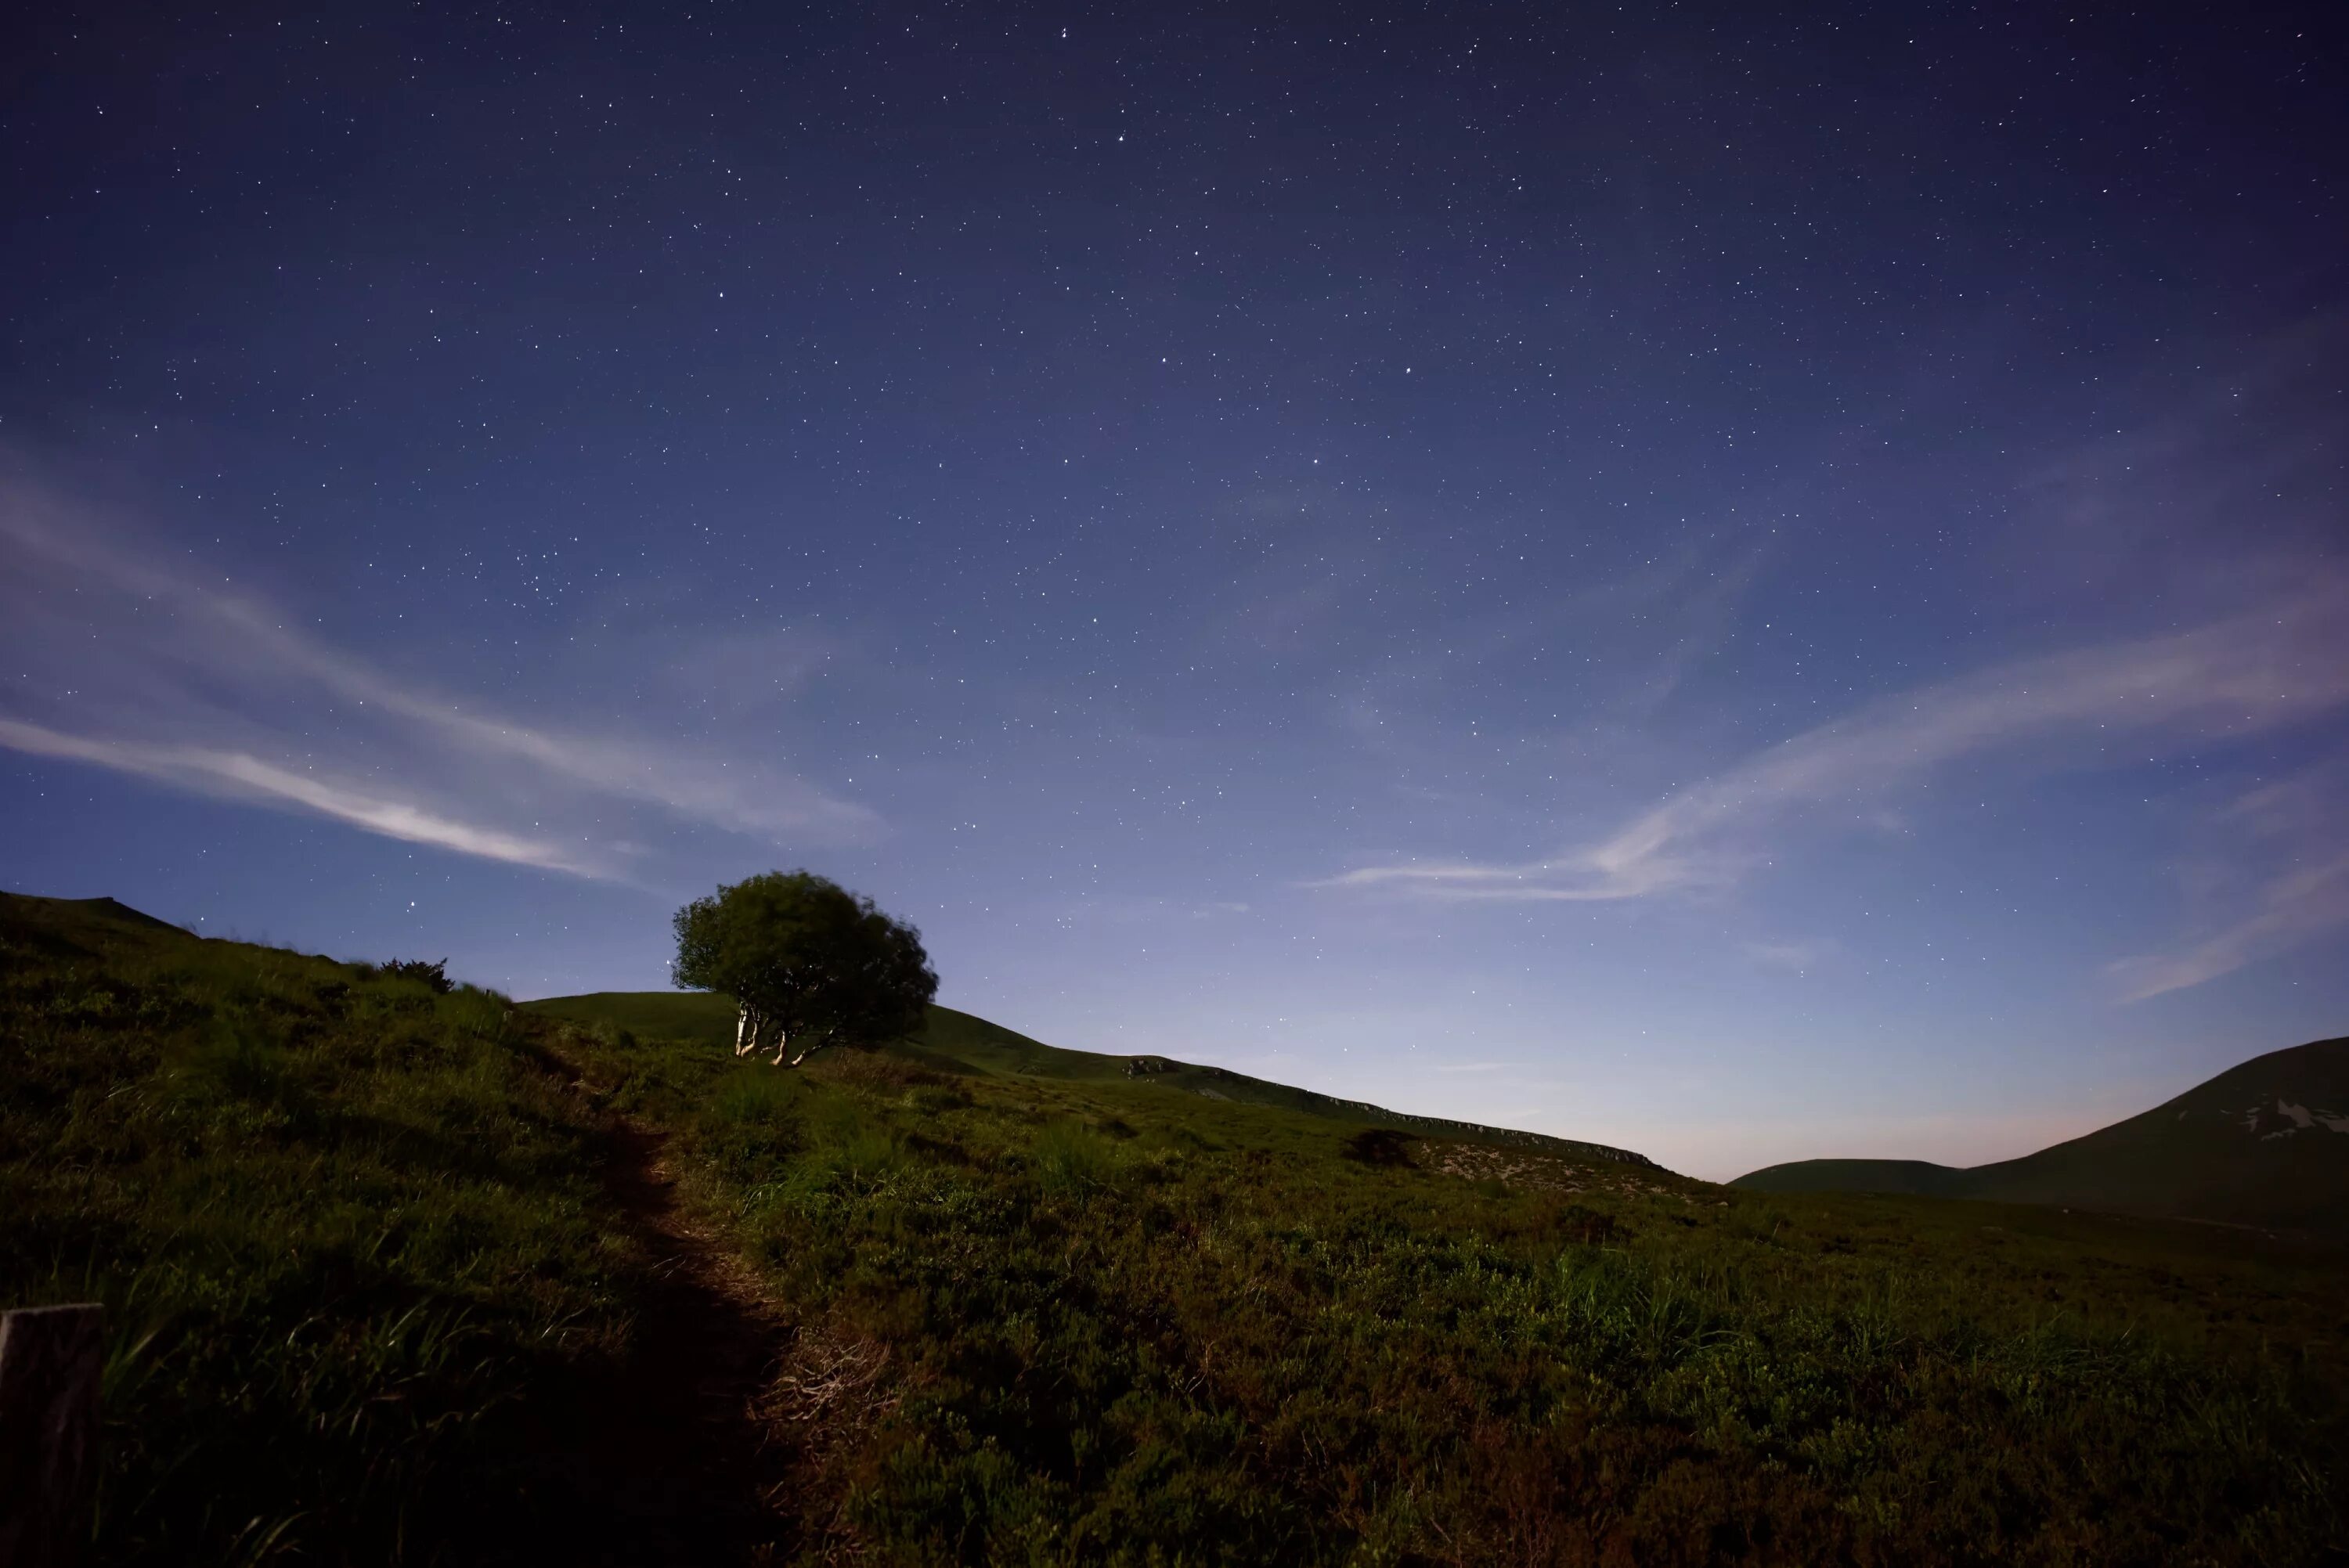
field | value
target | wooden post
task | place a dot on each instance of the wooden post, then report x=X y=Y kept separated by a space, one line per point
x=50 y=1359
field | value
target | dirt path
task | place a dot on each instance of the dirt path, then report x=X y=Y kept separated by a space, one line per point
x=666 y=1459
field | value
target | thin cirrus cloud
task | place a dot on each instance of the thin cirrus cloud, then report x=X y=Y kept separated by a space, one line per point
x=239 y=776
x=2240 y=675
x=191 y=683
x=2290 y=826
x=1799 y=956
x=2300 y=903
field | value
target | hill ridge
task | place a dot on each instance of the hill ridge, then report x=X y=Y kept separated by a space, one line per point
x=972 y=1043
x=2264 y=1143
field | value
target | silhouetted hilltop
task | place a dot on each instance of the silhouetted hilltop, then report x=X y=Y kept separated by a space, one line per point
x=2265 y=1144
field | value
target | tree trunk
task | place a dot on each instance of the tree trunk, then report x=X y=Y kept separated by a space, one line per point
x=747 y=1025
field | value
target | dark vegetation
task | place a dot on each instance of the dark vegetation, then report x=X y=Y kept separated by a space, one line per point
x=368 y=1279
x=2265 y=1144
x=956 y=1042
x=807 y=964
x=432 y=976
x=369 y=1300
x=1380 y=1146
x=1068 y=1315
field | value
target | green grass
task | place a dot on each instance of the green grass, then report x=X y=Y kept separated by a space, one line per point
x=348 y=1235
x=363 y=1278
x=955 y=1042
x=1117 y=1322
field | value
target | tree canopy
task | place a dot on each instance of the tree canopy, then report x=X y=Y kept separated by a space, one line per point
x=808 y=962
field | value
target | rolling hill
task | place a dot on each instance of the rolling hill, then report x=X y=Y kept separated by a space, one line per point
x=958 y=1042
x=389 y=1262
x=2264 y=1144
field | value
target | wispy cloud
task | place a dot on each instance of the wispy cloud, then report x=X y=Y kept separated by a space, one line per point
x=2241 y=676
x=2294 y=908
x=238 y=776
x=2292 y=827
x=1654 y=623
x=1800 y=955
x=190 y=680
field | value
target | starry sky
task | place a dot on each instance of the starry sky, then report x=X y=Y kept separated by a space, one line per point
x=1747 y=583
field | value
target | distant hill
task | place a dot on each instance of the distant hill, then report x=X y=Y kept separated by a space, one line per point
x=959 y=1042
x=2264 y=1144
x=41 y=916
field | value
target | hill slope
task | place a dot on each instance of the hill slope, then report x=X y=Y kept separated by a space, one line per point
x=957 y=1041
x=2265 y=1143
x=358 y=1258
x=394 y=1247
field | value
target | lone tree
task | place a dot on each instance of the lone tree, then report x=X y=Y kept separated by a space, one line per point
x=808 y=962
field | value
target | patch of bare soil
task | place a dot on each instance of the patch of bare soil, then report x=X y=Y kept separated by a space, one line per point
x=672 y=1457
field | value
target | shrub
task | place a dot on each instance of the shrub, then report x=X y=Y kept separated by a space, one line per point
x=1381 y=1146
x=1073 y=1160
x=433 y=975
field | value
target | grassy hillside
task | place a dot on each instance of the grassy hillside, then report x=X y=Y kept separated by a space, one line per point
x=1097 y=1318
x=375 y=1295
x=2264 y=1144
x=958 y=1042
x=368 y=1298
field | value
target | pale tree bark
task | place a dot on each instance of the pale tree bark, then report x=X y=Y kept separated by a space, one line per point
x=753 y=1030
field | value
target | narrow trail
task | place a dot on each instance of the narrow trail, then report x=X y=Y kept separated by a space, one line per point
x=667 y=1461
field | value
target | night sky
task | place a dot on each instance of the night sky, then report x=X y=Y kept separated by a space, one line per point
x=1748 y=584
